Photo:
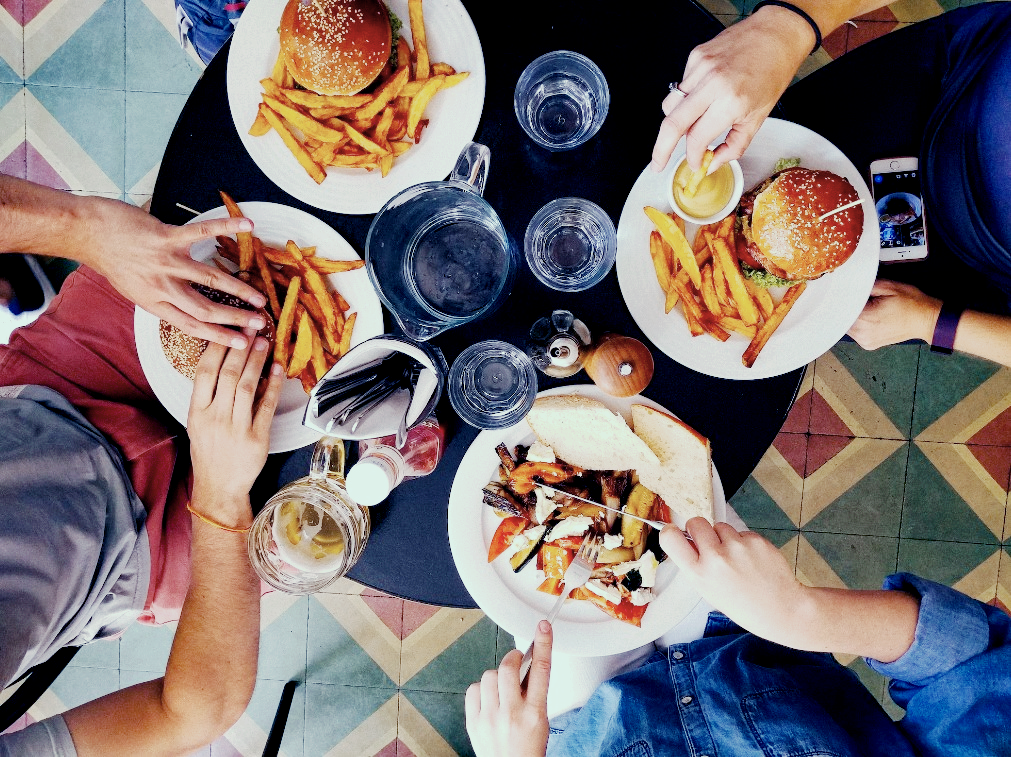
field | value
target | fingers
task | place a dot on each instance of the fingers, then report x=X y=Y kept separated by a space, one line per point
x=726 y=532
x=229 y=376
x=188 y=324
x=213 y=277
x=206 y=311
x=678 y=548
x=703 y=534
x=509 y=690
x=268 y=402
x=206 y=378
x=249 y=380
x=210 y=228
x=540 y=667
x=472 y=705
x=673 y=127
x=489 y=690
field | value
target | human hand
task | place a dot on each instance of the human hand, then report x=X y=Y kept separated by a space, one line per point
x=895 y=312
x=742 y=575
x=229 y=428
x=503 y=720
x=733 y=81
x=149 y=263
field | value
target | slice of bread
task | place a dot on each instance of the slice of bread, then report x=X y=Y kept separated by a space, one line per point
x=585 y=432
x=684 y=477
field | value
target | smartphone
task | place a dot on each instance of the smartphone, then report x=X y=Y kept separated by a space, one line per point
x=898 y=202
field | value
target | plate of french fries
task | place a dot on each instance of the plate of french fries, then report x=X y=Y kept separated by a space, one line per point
x=351 y=154
x=320 y=298
x=683 y=284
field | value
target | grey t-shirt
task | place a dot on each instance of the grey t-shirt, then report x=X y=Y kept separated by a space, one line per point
x=74 y=557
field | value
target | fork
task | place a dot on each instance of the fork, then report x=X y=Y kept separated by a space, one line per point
x=576 y=575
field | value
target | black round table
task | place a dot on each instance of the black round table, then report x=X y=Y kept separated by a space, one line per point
x=640 y=52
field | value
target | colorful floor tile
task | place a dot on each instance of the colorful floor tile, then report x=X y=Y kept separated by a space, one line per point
x=898 y=459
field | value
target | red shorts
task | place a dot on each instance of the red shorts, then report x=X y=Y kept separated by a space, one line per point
x=83 y=347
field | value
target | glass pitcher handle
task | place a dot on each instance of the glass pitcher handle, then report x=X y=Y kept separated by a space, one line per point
x=327 y=459
x=472 y=166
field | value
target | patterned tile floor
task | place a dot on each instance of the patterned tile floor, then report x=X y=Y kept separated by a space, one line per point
x=896 y=459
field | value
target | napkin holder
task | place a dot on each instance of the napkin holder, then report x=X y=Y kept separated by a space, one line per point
x=386 y=417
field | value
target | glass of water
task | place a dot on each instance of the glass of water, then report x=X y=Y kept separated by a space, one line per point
x=561 y=100
x=570 y=244
x=492 y=384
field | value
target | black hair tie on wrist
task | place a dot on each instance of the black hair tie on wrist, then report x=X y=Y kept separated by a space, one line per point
x=800 y=12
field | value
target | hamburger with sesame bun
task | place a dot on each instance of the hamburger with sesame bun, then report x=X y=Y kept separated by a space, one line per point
x=781 y=235
x=183 y=351
x=336 y=47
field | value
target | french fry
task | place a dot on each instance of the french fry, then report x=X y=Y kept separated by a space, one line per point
x=345 y=343
x=316 y=286
x=268 y=283
x=660 y=264
x=260 y=125
x=384 y=95
x=326 y=267
x=317 y=360
x=308 y=379
x=243 y=238
x=304 y=122
x=442 y=68
x=689 y=306
x=297 y=148
x=420 y=102
x=769 y=326
x=762 y=298
x=309 y=99
x=692 y=186
x=302 y=352
x=676 y=239
x=362 y=141
x=736 y=324
x=277 y=74
x=735 y=280
x=417 y=19
x=708 y=291
x=403 y=51
x=712 y=327
x=412 y=88
x=286 y=321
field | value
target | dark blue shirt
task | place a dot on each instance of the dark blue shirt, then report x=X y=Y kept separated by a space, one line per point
x=732 y=693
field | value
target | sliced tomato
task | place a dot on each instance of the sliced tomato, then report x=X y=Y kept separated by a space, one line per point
x=744 y=255
x=507 y=530
x=551 y=586
x=555 y=560
x=625 y=612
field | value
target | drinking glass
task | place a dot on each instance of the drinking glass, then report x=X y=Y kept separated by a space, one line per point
x=438 y=254
x=561 y=100
x=311 y=532
x=492 y=384
x=570 y=244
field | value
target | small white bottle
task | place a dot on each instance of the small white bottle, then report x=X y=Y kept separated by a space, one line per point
x=375 y=475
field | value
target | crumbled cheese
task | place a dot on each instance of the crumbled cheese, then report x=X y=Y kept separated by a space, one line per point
x=612 y=541
x=544 y=506
x=534 y=533
x=641 y=597
x=540 y=453
x=611 y=593
x=574 y=525
x=646 y=565
x=520 y=541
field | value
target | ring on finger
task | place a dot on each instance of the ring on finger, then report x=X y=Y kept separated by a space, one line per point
x=674 y=86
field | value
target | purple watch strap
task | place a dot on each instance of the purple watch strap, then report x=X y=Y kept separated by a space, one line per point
x=944 y=332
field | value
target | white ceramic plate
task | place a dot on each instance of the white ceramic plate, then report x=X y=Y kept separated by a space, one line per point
x=453 y=113
x=275 y=225
x=511 y=599
x=820 y=317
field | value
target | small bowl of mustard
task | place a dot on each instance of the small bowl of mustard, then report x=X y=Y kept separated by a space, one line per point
x=715 y=197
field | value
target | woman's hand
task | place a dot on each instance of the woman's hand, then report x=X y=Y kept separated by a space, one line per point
x=742 y=575
x=149 y=263
x=503 y=720
x=229 y=428
x=732 y=82
x=895 y=312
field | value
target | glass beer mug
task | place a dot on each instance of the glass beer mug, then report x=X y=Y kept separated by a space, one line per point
x=311 y=532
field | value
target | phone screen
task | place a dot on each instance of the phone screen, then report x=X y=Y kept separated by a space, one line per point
x=899 y=206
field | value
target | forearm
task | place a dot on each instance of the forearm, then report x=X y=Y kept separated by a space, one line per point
x=829 y=16
x=876 y=624
x=985 y=335
x=43 y=221
x=212 y=666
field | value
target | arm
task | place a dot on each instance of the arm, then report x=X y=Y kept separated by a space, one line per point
x=503 y=719
x=899 y=312
x=745 y=577
x=212 y=667
x=734 y=80
x=147 y=261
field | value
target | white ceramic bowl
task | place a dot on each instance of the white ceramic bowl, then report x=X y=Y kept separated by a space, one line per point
x=735 y=195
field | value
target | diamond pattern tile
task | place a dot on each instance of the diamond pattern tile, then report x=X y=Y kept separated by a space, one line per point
x=893 y=459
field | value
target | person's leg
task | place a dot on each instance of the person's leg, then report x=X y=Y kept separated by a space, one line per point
x=874 y=102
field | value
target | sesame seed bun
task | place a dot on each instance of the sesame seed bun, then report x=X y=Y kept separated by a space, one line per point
x=183 y=351
x=335 y=47
x=788 y=238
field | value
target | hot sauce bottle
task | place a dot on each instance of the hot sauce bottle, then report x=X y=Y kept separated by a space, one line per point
x=381 y=467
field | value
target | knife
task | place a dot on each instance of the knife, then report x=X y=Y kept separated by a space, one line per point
x=657 y=524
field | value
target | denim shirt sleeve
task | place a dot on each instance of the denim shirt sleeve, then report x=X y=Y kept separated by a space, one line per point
x=951 y=629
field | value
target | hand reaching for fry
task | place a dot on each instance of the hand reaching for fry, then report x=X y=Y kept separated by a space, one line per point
x=149 y=263
x=895 y=312
x=732 y=82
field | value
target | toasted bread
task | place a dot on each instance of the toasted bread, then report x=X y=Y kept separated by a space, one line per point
x=585 y=432
x=684 y=478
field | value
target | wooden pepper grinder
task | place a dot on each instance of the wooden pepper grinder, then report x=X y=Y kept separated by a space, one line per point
x=620 y=365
